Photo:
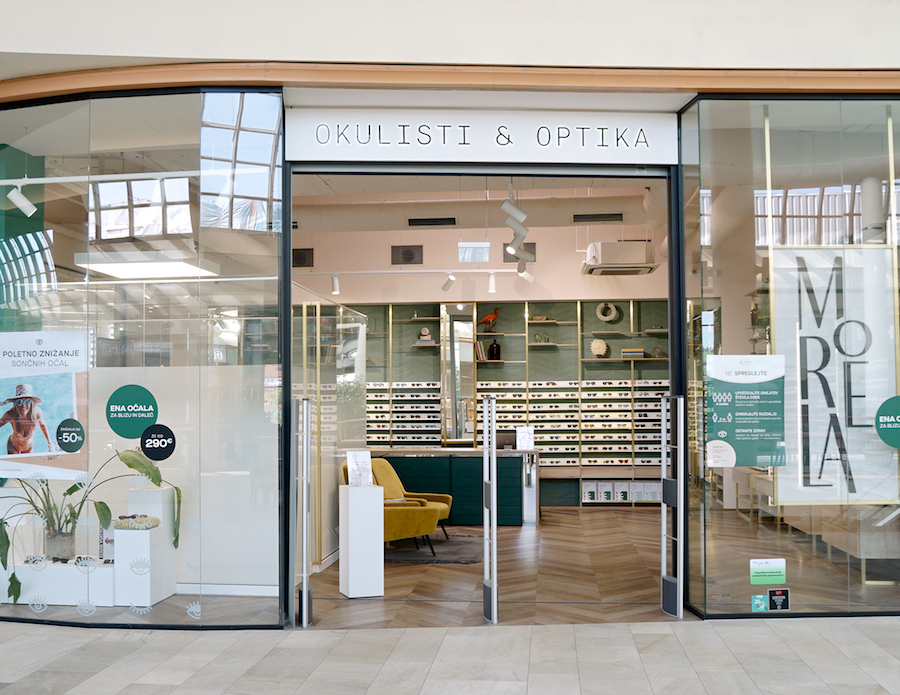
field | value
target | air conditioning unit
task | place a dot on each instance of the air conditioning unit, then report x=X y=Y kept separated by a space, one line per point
x=619 y=258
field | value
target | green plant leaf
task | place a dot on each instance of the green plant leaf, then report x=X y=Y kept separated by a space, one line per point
x=75 y=488
x=4 y=543
x=103 y=513
x=141 y=464
x=15 y=588
x=177 y=530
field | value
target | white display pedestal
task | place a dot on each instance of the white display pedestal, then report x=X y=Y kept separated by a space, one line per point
x=143 y=573
x=361 y=541
x=145 y=559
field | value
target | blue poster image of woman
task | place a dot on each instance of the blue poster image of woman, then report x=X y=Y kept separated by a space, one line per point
x=25 y=416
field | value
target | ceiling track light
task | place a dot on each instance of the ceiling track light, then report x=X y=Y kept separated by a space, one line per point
x=524 y=274
x=335 y=285
x=492 y=284
x=524 y=255
x=18 y=199
x=518 y=228
x=514 y=246
x=513 y=210
x=448 y=283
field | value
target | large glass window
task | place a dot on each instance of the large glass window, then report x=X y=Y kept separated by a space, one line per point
x=140 y=359
x=794 y=355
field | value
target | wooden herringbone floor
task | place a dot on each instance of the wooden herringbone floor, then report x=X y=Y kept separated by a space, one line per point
x=581 y=566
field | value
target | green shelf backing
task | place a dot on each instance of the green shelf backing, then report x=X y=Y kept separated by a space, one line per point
x=560 y=493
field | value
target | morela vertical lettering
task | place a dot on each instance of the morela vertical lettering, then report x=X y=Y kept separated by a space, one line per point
x=821 y=339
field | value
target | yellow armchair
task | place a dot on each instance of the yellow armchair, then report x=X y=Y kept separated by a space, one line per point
x=387 y=477
x=405 y=519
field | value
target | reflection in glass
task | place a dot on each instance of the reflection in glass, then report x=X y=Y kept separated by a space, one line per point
x=107 y=195
x=797 y=258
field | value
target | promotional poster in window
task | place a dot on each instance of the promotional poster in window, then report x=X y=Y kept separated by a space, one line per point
x=43 y=404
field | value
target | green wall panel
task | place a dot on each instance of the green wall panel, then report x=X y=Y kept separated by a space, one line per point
x=560 y=493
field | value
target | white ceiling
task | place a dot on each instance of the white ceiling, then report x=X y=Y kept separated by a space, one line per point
x=384 y=203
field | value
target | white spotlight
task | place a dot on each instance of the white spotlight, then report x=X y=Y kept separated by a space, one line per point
x=518 y=228
x=20 y=201
x=335 y=285
x=524 y=255
x=492 y=284
x=513 y=210
x=514 y=246
x=524 y=274
x=448 y=282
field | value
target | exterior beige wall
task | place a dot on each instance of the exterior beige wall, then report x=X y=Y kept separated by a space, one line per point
x=731 y=34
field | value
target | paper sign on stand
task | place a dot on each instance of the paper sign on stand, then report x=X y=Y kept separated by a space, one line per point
x=525 y=438
x=359 y=468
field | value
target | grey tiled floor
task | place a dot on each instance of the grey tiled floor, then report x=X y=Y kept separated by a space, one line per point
x=840 y=656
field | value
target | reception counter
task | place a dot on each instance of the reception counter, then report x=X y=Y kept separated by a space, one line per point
x=458 y=471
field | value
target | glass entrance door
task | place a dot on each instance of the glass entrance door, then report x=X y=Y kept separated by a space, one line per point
x=329 y=357
x=563 y=317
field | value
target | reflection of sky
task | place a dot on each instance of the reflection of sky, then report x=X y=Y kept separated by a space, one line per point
x=57 y=394
x=221 y=107
x=255 y=147
x=261 y=111
x=237 y=160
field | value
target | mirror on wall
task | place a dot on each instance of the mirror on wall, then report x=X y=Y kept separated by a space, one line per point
x=459 y=373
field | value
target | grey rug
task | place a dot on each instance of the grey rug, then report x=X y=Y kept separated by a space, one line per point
x=460 y=550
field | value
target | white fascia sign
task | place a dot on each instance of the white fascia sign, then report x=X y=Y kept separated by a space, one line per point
x=485 y=136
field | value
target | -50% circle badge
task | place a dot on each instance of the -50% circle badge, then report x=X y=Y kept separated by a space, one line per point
x=158 y=442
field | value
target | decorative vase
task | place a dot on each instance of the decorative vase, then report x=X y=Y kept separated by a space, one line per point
x=494 y=351
x=60 y=545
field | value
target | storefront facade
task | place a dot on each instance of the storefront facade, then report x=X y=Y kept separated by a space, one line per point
x=783 y=205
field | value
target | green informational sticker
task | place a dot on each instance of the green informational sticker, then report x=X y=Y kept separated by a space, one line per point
x=745 y=410
x=70 y=435
x=770 y=571
x=887 y=422
x=130 y=410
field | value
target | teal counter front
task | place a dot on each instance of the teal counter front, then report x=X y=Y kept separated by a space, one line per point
x=458 y=472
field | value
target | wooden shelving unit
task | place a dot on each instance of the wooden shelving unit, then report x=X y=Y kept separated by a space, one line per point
x=596 y=419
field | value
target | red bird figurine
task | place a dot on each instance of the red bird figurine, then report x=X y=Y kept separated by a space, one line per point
x=489 y=320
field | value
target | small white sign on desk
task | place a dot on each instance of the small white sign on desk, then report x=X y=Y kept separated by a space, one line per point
x=525 y=438
x=359 y=468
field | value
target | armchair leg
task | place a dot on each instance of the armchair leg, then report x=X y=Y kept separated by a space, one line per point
x=428 y=540
x=416 y=541
x=441 y=524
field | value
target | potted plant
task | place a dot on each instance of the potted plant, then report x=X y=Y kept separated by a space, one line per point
x=61 y=517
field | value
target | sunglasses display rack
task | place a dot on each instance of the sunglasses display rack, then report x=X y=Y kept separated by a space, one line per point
x=588 y=381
